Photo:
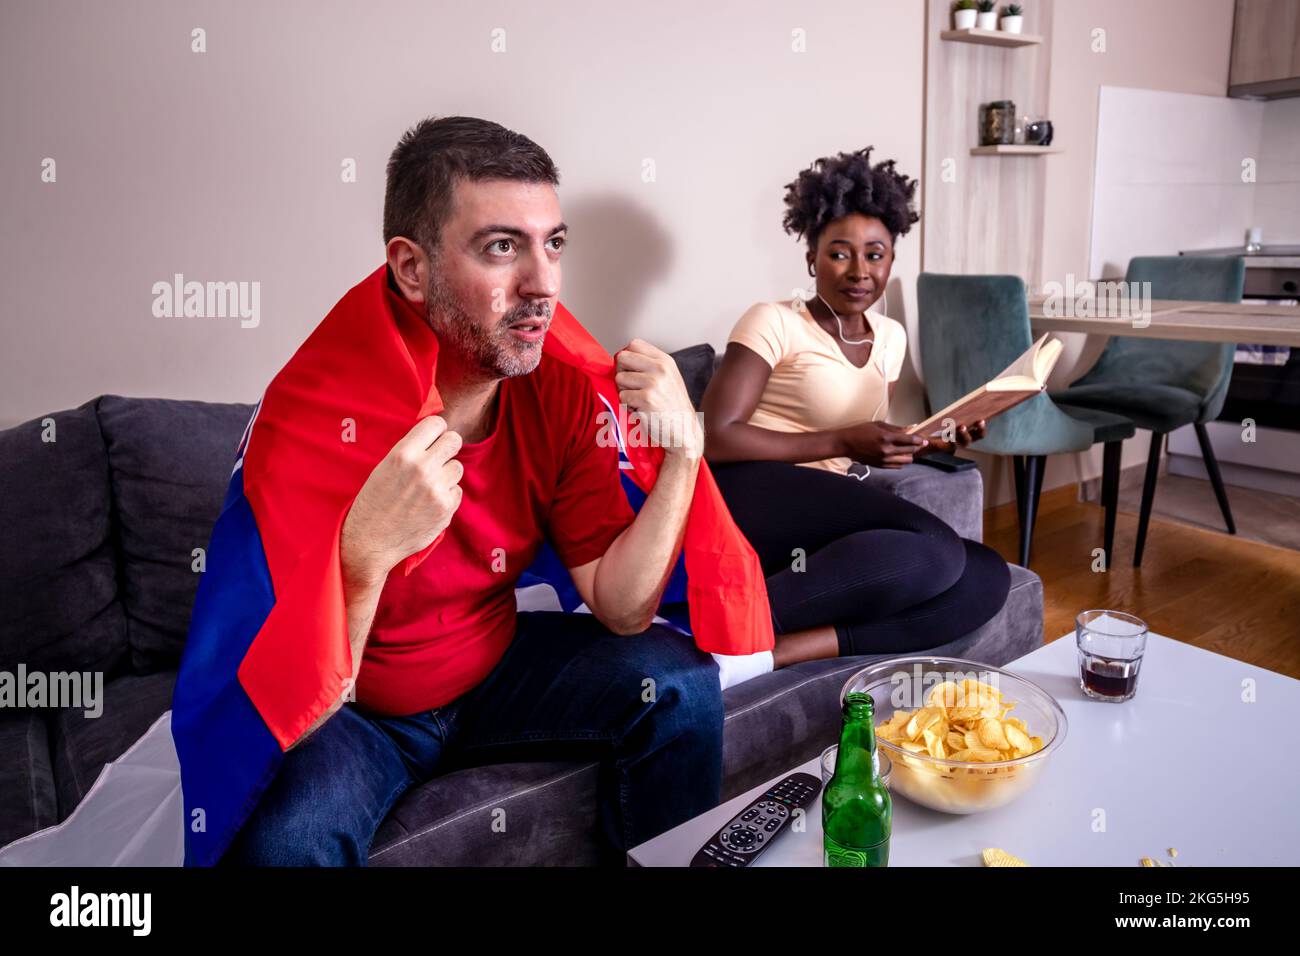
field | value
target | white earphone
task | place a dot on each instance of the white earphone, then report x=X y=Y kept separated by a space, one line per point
x=805 y=294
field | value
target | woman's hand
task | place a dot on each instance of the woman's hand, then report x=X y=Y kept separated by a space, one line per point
x=881 y=445
x=965 y=435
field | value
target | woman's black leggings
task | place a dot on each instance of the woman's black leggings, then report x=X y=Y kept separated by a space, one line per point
x=890 y=576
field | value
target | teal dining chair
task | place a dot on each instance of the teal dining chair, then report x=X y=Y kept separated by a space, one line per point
x=1161 y=384
x=971 y=328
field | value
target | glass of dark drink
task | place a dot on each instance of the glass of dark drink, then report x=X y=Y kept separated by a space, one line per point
x=1111 y=644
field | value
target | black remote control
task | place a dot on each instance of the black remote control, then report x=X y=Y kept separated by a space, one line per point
x=752 y=831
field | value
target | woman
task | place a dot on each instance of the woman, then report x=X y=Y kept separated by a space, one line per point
x=802 y=393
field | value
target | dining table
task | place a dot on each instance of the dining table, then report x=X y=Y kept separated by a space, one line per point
x=1256 y=323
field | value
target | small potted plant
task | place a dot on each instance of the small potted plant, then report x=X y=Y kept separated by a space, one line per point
x=987 y=15
x=1013 y=18
x=963 y=14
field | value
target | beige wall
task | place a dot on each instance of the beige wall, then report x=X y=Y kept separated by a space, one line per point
x=225 y=165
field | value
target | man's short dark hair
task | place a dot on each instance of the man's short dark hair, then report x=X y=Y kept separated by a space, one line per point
x=434 y=153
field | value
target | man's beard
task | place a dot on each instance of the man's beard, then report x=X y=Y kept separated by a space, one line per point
x=496 y=352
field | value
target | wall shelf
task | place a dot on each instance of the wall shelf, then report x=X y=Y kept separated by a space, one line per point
x=990 y=37
x=1013 y=150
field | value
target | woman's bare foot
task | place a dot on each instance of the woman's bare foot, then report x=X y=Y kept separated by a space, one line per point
x=813 y=644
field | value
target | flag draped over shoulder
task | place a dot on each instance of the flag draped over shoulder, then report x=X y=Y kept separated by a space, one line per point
x=267 y=651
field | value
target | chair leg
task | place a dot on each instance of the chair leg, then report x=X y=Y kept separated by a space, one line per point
x=1110 y=493
x=1018 y=469
x=1216 y=479
x=1032 y=485
x=1148 y=495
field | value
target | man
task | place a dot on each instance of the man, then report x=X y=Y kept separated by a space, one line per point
x=445 y=669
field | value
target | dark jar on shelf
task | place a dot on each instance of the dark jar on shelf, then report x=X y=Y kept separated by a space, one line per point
x=998 y=123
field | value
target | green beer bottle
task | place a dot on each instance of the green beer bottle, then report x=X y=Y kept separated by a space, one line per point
x=856 y=809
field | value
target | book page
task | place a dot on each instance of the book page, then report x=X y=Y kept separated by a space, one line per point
x=1024 y=365
x=1045 y=358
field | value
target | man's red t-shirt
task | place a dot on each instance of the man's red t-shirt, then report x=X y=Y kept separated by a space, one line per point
x=540 y=475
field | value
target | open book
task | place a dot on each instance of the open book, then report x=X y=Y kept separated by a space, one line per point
x=1024 y=378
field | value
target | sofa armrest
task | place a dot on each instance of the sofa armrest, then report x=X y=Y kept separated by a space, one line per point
x=955 y=497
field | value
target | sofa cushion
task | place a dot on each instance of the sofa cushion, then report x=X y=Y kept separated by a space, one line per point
x=957 y=497
x=773 y=723
x=548 y=810
x=83 y=745
x=27 y=795
x=696 y=365
x=170 y=464
x=58 y=584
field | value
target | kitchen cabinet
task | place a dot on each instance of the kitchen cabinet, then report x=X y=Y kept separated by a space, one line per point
x=1265 y=49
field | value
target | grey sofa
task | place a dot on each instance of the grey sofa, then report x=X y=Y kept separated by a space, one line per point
x=96 y=575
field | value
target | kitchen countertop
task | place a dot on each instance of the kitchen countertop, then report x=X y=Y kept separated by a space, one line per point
x=1267 y=257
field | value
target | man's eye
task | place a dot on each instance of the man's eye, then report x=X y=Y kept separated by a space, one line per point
x=501 y=245
x=559 y=242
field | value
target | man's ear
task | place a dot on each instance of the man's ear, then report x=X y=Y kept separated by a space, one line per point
x=408 y=268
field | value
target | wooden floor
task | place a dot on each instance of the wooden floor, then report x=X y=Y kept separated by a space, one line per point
x=1235 y=597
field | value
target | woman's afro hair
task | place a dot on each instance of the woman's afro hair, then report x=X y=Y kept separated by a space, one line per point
x=835 y=186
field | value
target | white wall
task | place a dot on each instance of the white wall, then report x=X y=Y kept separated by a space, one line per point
x=1277 y=192
x=1170 y=175
x=225 y=165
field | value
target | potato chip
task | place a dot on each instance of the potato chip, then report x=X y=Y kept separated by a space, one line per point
x=992 y=735
x=922 y=719
x=944 y=695
x=977 y=755
x=1017 y=739
x=995 y=857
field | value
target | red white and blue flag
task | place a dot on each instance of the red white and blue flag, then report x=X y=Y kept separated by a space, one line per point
x=267 y=651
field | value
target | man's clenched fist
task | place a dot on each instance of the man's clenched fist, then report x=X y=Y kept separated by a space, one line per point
x=650 y=384
x=407 y=501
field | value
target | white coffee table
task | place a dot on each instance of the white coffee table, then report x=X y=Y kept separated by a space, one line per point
x=1187 y=763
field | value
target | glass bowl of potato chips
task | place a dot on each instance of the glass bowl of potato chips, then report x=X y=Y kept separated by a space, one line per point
x=962 y=737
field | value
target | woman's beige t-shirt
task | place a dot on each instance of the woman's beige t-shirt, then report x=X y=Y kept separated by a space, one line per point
x=813 y=385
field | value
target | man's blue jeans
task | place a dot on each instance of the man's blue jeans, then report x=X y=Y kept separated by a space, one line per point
x=647 y=706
